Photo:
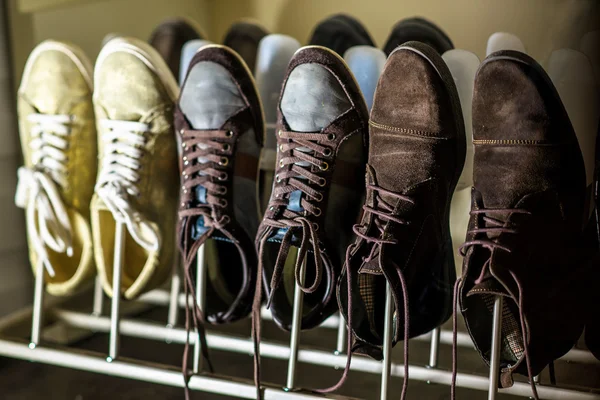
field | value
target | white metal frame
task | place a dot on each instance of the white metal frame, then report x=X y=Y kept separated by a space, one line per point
x=112 y=364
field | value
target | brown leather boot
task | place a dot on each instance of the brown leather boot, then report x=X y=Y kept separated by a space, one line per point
x=525 y=239
x=416 y=155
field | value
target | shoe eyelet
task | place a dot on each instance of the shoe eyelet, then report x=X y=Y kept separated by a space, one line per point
x=229 y=134
x=223 y=176
x=322 y=182
x=226 y=147
x=317 y=212
x=331 y=136
x=324 y=166
x=319 y=198
x=224 y=161
x=327 y=152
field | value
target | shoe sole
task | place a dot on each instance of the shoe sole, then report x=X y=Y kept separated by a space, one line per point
x=147 y=54
x=76 y=55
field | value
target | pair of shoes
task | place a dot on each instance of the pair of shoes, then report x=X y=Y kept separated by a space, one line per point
x=526 y=239
x=92 y=145
x=341 y=32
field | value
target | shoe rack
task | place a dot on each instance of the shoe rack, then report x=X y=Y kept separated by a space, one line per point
x=47 y=316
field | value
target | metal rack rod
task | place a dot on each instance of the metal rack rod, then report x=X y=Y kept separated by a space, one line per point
x=496 y=339
x=154 y=373
x=161 y=298
x=118 y=259
x=201 y=300
x=296 y=327
x=387 y=343
x=268 y=349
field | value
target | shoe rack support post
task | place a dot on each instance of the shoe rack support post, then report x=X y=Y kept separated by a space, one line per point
x=341 y=336
x=98 y=297
x=387 y=343
x=201 y=301
x=115 y=305
x=496 y=339
x=173 y=298
x=435 y=348
x=296 y=326
x=38 y=306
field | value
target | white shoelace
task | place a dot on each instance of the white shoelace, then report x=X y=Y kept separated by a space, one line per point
x=37 y=189
x=123 y=147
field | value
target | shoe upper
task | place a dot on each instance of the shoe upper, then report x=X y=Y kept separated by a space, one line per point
x=168 y=39
x=317 y=190
x=416 y=154
x=420 y=30
x=340 y=32
x=243 y=37
x=525 y=233
x=137 y=177
x=219 y=125
x=58 y=138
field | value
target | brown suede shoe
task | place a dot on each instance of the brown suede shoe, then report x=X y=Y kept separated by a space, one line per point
x=322 y=126
x=170 y=36
x=525 y=234
x=416 y=155
x=220 y=128
x=243 y=37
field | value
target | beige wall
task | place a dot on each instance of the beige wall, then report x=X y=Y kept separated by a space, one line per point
x=543 y=25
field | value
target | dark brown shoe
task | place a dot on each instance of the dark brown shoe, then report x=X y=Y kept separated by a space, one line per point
x=170 y=36
x=321 y=128
x=420 y=30
x=416 y=155
x=525 y=238
x=244 y=37
x=220 y=128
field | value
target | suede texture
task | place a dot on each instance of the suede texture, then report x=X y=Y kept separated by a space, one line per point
x=417 y=151
x=420 y=30
x=348 y=136
x=526 y=158
x=243 y=38
x=168 y=39
x=246 y=121
x=340 y=32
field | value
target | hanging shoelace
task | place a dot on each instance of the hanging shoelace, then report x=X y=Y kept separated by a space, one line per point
x=302 y=151
x=123 y=147
x=493 y=227
x=383 y=213
x=205 y=164
x=38 y=187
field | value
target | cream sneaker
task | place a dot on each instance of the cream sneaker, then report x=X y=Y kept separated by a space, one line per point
x=138 y=179
x=58 y=138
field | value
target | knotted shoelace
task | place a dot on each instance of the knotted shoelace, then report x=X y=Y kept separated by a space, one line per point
x=495 y=227
x=124 y=144
x=204 y=165
x=38 y=188
x=383 y=213
x=302 y=152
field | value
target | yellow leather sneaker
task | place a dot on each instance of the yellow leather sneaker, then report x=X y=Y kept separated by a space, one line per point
x=58 y=138
x=137 y=178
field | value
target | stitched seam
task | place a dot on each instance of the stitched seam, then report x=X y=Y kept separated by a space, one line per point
x=514 y=142
x=404 y=130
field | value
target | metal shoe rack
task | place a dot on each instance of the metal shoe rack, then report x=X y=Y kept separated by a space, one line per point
x=116 y=325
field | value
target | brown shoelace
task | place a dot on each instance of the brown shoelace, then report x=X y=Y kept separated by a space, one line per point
x=384 y=214
x=302 y=151
x=204 y=161
x=496 y=226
